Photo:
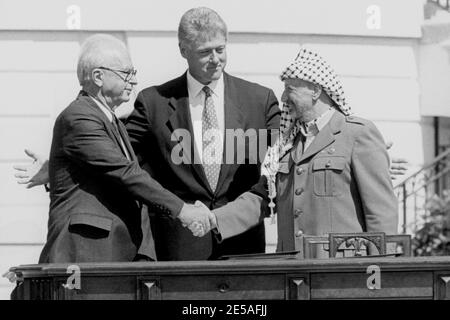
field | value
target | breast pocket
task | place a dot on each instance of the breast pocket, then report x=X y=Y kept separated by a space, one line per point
x=327 y=173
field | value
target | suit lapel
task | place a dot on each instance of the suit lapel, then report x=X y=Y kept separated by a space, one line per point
x=111 y=131
x=325 y=137
x=126 y=140
x=233 y=120
x=180 y=118
x=296 y=151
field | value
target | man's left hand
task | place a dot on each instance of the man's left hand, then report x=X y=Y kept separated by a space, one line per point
x=398 y=166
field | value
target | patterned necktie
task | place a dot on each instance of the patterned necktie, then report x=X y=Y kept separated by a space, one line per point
x=211 y=140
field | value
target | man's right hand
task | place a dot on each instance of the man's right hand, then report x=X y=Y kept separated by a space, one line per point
x=34 y=174
x=196 y=217
x=197 y=229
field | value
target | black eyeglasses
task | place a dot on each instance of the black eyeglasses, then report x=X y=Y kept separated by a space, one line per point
x=129 y=74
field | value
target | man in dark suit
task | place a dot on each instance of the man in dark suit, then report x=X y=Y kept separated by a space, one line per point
x=97 y=185
x=176 y=114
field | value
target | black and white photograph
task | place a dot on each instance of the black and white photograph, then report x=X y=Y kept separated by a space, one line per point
x=225 y=150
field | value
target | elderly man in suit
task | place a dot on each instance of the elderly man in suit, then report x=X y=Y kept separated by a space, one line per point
x=204 y=99
x=329 y=170
x=97 y=186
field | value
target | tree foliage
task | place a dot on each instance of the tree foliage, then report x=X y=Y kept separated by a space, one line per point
x=433 y=237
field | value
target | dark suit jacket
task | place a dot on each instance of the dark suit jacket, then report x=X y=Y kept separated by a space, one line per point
x=94 y=212
x=152 y=127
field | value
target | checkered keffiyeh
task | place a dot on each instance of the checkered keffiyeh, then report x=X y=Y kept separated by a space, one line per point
x=308 y=66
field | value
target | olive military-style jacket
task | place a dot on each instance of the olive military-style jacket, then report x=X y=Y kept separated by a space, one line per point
x=340 y=183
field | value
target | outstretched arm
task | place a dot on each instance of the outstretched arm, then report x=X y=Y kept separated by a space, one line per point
x=245 y=212
x=34 y=174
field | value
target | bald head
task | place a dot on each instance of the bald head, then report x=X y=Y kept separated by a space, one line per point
x=100 y=50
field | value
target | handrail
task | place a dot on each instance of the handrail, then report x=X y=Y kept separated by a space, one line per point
x=425 y=167
x=431 y=179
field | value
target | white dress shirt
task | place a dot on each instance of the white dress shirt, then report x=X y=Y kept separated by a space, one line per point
x=196 y=105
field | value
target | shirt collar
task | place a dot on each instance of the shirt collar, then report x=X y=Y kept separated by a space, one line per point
x=313 y=127
x=195 y=87
x=106 y=111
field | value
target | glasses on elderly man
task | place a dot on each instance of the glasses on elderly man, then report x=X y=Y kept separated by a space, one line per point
x=129 y=74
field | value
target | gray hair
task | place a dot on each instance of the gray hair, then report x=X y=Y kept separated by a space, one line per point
x=96 y=51
x=199 y=23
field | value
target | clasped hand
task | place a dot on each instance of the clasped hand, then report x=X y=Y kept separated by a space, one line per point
x=198 y=218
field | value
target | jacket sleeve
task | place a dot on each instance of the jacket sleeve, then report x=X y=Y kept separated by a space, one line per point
x=250 y=208
x=370 y=164
x=245 y=212
x=87 y=143
x=273 y=112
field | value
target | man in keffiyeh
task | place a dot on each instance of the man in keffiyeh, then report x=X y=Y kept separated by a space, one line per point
x=332 y=169
x=329 y=170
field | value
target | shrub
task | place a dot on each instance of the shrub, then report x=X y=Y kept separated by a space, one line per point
x=433 y=237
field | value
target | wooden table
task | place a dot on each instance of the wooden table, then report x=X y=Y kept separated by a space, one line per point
x=340 y=278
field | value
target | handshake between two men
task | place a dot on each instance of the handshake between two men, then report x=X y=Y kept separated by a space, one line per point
x=198 y=218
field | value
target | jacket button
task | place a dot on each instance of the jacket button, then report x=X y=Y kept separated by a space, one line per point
x=298 y=191
x=328 y=164
x=300 y=170
x=331 y=150
x=299 y=233
x=298 y=213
